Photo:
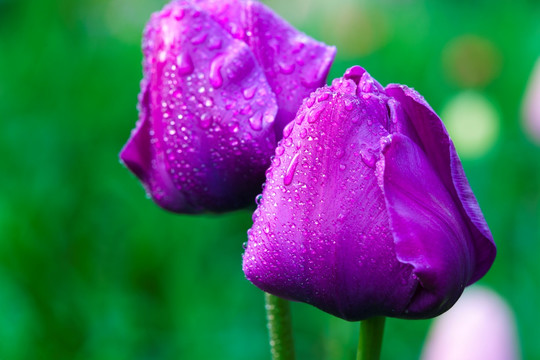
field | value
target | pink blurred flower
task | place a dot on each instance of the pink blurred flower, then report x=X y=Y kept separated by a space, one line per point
x=480 y=326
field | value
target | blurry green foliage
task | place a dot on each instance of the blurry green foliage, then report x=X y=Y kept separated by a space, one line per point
x=91 y=269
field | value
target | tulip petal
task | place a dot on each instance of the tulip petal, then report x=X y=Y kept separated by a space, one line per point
x=211 y=112
x=427 y=227
x=294 y=63
x=432 y=137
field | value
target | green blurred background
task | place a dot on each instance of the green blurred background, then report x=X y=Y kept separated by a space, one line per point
x=91 y=269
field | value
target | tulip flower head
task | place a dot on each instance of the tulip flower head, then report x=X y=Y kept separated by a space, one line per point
x=221 y=80
x=366 y=209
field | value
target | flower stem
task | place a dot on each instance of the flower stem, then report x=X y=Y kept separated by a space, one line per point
x=278 y=316
x=370 y=341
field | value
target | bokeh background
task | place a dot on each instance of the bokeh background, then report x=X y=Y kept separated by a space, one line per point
x=92 y=269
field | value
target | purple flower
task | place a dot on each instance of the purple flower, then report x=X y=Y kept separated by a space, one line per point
x=366 y=209
x=221 y=80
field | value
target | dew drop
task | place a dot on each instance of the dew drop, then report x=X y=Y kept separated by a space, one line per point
x=269 y=118
x=315 y=114
x=178 y=13
x=310 y=101
x=185 y=64
x=289 y=174
x=236 y=31
x=348 y=105
x=215 y=71
x=288 y=129
x=303 y=133
x=199 y=39
x=300 y=118
x=280 y=150
x=368 y=158
x=234 y=127
x=286 y=68
x=297 y=47
x=323 y=97
x=162 y=55
x=214 y=43
x=249 y=92
x=256 y=121
x=205 y=120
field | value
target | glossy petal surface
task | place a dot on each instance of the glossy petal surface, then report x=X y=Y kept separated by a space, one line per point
x=357 y=217
x=207 y=113
x=294 y=64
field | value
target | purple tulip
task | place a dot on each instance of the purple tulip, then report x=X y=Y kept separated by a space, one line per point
x=366 y=209
x=221 y=80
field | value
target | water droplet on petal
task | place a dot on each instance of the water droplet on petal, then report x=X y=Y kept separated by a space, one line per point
x=185 y=64
x=205 y=120
x=348 y=104
x=234 y=127
x=236 y=31
x=300 y=118
x=215 y=71
x=162 y=55
x=214 y=43
x=288 y=129
x=368 y=158
x=199 y=39
x=286 y=68
x=314 y=114
x=297 y=47
x=280 y=150
x=289 y=174
x=256 y=121
x=249 y=92
x=323 y=97
x=310 y=101
x=178 y=13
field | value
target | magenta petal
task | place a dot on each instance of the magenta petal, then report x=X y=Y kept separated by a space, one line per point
x=427 y=227
x=207 y=115
x=294 y=63
x=432 y=137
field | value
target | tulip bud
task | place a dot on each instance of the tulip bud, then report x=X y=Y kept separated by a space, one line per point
x=480 y=326
x=366 y=209
x=221 y=79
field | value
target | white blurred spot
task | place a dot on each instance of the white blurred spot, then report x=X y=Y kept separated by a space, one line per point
x=531 y=105
x=473 y=123
x=480 y=326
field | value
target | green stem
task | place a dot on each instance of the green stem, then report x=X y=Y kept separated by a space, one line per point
x=278 y=315
x=370 y=341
